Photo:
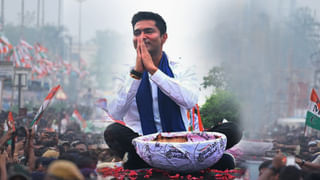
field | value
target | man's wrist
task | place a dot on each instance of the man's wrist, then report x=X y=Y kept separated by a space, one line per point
x=138 y=69
x=135 y=74
x=153 y=70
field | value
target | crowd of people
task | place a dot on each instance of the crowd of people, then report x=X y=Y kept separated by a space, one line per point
x=49 y=151
x=157 y=98
x=44 y=153
x=294 y=155
x=27 y=153
x=154 y=97
x=53 y=152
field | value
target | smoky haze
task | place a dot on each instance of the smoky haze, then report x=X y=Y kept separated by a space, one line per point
x=264 y=46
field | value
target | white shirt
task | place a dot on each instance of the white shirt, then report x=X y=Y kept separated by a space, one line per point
x=182 y=89
x=316 y=160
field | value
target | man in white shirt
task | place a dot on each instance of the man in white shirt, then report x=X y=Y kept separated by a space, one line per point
x=157 y=94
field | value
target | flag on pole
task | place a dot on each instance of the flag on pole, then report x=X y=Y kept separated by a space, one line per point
x=313 y=115
x=10 y=122
x=314 y=98
x=199 y=118
x=102 y=103
x=5 y=41
x=194 y=117
x=77 y=116
x=45 y=105
x=25 y=44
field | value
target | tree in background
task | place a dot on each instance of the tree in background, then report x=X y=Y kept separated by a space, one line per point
x=222 y=104
x=216 y=78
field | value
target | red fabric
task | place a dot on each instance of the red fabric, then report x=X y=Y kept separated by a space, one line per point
x=52 y=92
x=199 y=119
x=120 y=173
x=10 y=122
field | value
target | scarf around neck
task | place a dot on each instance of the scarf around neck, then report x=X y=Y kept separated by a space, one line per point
x=170 y=115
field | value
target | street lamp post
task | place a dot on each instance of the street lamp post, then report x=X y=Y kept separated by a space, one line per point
x=22 y=16
x=2 y=13
x=80 y=21
x=6 y=72
x=38 y=14
x=43 y=11
x=59 y=14
x=21 y=74
x=19 y=85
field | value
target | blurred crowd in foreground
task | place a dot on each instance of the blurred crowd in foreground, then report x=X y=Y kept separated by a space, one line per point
x=61 y=148
x=292 y=156
x=44 y=153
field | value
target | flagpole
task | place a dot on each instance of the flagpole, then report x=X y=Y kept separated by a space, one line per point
x=80 y=8
x=22 y=17
x=42 y=23
x=79 y=28
x=19 y=90
x=2 y=13
x=59 y=14
x=38 y=14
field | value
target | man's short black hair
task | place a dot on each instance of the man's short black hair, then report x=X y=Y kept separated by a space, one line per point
x=145 y=15
x=265 y=164
x=290 y=172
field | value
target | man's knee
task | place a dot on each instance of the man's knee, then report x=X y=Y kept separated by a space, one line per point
x=232 y=131
x=227 y=161
x=119 y=137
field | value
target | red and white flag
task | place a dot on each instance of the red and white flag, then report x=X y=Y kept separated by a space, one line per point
x=6 y=42
x=10 y=122
x=25 y=44
x=77 y=116
x=312 y=125
x=45 y=105
x=314 y=98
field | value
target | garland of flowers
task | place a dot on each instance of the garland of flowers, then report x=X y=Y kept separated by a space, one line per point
x=120 y=173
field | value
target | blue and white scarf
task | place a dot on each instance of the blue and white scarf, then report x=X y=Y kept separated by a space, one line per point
x=170 y=115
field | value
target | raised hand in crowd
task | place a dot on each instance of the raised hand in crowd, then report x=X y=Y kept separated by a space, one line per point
x=307 y=165
x=6 y=137
x=29 y=149
x=3 y=163
x=272 y=172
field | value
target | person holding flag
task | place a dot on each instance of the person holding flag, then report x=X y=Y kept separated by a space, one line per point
x=157 y=94
x=79 y=119
x=313 y=114
x=44 y=105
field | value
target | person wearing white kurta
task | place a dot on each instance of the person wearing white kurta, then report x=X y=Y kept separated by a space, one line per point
x=154 y=81
x=182 y=89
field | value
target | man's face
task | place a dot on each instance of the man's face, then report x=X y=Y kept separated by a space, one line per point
x=150 y=34
x=81 y=147
x=313 y=149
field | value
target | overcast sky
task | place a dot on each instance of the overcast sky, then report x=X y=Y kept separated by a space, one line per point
x=187 y=21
